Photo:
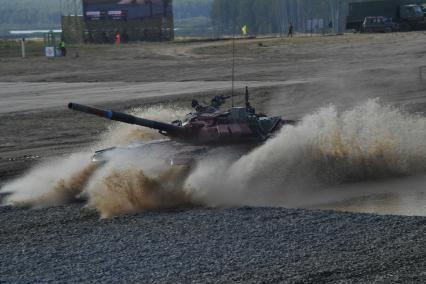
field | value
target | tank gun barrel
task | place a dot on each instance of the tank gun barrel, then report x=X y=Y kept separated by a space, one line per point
x=169 y=129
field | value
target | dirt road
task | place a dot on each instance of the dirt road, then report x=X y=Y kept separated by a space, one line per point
x=23 y=96
x=341 y=69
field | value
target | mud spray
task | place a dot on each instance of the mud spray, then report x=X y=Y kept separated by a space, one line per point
x=329 y=157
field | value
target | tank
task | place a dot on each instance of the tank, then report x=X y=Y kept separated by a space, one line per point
x=206 y=128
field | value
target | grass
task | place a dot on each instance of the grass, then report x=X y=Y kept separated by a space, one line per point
x=12 y=48
x=248 y=45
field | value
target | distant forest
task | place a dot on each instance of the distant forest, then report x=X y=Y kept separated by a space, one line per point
x=275 y=16
x=29 y=14
x=202 y=17
x=192 y=17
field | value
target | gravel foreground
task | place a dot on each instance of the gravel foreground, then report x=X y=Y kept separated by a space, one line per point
x=69 y=244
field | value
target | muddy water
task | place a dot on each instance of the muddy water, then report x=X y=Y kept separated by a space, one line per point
x=408 y=203
x=397 y=196
x=368 y=159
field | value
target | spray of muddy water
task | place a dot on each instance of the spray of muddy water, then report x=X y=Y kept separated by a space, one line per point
x=51 y=183
x=320 y=159
x=328 y=156
x=131 y=190
x=120 y=186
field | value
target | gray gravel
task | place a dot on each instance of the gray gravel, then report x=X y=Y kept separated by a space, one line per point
x=69 y=244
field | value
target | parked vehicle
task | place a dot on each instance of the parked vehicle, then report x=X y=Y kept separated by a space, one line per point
x=407 y=14
x=378 y=25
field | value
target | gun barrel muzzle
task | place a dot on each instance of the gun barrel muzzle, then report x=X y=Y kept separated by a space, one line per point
x=170 y=129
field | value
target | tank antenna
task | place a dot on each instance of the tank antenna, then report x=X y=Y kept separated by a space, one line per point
x=233 y=67
x=247 y=98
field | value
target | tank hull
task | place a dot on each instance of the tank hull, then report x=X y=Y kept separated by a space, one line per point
x=170 y=153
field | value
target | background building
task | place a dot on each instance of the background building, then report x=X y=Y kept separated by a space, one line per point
x=135 y=20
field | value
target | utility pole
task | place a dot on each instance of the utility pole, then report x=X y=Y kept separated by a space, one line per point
x=23 y=47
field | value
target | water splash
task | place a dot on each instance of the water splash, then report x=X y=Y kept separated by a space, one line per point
x=51 y=183
x=125 y=134
x=327 y=148
x=130 y=191
x=326 y=155
x=62 y=180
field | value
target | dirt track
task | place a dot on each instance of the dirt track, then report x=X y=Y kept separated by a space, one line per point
x=290 y=77
x=300 y=75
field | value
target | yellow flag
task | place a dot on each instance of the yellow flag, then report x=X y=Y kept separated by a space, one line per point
x=244 y=29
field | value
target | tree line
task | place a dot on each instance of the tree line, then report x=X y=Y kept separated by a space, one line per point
x=29 y=14
x=184 y=9
x=221 y=16
x=275 y=16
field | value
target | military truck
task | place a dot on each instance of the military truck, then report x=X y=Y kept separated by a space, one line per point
x=408 y=14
